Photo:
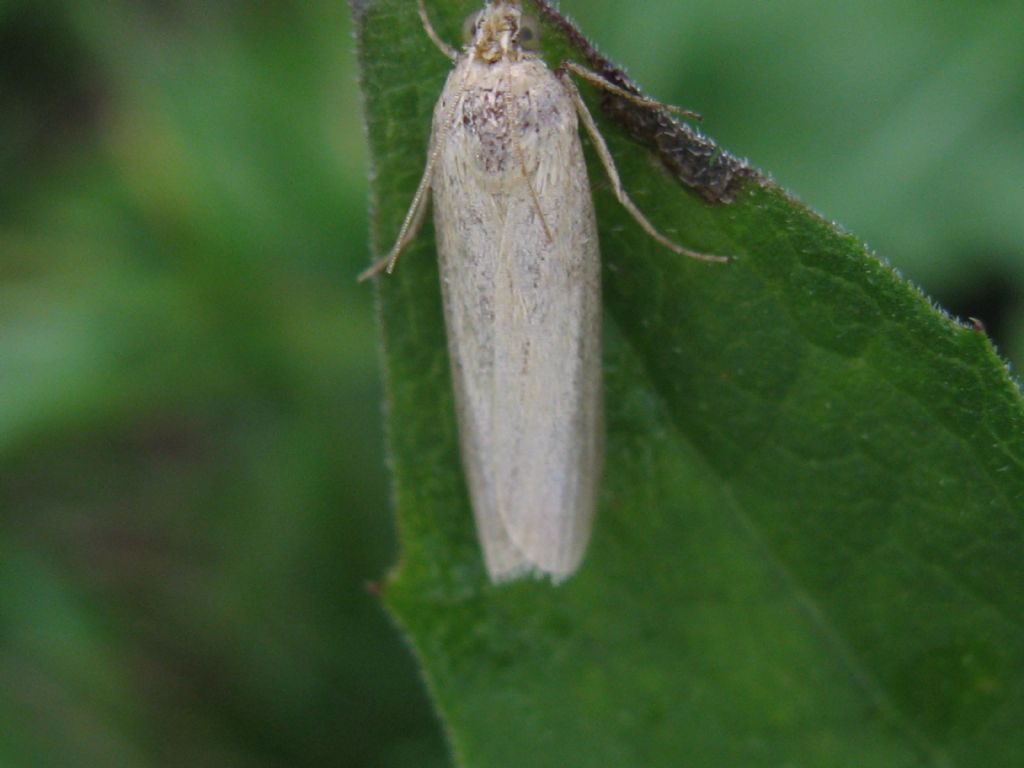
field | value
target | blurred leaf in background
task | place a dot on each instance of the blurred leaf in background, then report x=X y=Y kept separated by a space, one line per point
x=191 y=469
x=192 y=483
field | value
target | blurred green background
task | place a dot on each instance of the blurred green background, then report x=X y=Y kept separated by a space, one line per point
x=193 y=493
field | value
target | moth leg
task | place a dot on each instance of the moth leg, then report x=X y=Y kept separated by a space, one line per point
x=533 y=192
x=435 y=38
x=414 y=218
x=595 y=79
x=410 y=226
x=613 y=175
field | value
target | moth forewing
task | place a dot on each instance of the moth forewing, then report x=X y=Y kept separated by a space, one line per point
x=517 y=244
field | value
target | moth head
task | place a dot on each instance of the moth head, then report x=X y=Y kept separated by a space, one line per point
x=501 y=30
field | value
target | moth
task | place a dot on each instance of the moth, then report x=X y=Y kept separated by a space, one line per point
x=520 y=277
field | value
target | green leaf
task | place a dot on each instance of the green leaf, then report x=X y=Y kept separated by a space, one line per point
x=809 y=548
